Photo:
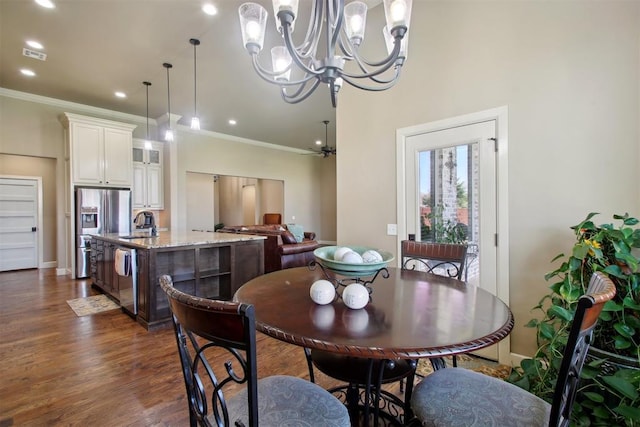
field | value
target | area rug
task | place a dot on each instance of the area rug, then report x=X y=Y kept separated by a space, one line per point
x=92 y=305
x=477 y=364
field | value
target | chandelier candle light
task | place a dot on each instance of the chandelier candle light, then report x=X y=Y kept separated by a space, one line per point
x=344 y=27
x=195 y=121
x=168 y=136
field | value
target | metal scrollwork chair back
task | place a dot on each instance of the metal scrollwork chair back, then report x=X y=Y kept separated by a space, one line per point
x=445 y=259
x=449 y=395
x=435 y=257
x=217 y=347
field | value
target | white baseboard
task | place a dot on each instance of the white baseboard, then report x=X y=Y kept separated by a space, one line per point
x=49 y=264
x=516 y=359
x=62 y=271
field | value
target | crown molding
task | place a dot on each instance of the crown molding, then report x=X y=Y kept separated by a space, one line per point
x=66 y=105
x=88 y=109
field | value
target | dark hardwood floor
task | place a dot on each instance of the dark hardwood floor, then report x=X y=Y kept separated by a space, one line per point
x=98 y=370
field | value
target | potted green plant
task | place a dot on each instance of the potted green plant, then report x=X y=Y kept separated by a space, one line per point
x=610 y=388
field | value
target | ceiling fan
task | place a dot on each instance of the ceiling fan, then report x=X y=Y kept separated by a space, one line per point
x=326 y=151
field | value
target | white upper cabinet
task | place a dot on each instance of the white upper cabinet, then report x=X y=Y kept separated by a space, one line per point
x=100 y=151
x=148 y=187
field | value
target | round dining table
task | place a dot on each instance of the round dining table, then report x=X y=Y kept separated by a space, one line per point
x=410 y=314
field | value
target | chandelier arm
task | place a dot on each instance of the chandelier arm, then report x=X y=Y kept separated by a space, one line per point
x=310 y=43
x=333 y=28
x=385 y=86
x=270 y=76
x=387 y=62
x=294 y=53
x=374 y=73
x=291 y=100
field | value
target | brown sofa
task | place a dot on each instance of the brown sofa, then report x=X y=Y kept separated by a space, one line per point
x=280 y=251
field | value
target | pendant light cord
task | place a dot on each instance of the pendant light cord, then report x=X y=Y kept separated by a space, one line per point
x=195 y=43
x=168 y=66
x=147 y=84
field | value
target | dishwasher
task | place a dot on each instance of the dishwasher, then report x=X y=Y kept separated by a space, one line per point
x=126 y=268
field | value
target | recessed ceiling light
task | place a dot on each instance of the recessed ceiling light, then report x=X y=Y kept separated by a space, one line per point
x=34 y=44
x=27 y=72
x=46 y=3
x=121 y=94
x=318 y=142
x=232 y=122
x=209 y=9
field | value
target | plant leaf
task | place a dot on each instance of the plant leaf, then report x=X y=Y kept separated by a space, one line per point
x=624 y=330
x=628 y=302
x=628 y=412
x=547 y=331
x=620 y=343
x=611 y=305
x=595 y=397
x=621 y=385
x=560 y=312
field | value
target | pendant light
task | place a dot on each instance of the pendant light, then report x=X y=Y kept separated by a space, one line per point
x=147 y=142
x=168 y=136
x=195 y=121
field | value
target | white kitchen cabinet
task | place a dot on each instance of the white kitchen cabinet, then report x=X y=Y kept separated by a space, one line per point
x=100 y=151
x=148 y=188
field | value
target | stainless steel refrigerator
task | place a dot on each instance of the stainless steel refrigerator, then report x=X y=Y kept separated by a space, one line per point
x=99 y=211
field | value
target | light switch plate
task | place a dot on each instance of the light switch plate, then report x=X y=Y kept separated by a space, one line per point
x=392 y=229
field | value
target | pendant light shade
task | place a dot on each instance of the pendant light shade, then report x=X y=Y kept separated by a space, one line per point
x=195 y=121
x=168 y=136
x=147 y=142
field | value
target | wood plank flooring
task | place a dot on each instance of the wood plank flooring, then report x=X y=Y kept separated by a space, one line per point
x=98 y=370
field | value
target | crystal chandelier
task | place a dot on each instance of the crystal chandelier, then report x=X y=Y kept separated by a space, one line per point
x=343 y=27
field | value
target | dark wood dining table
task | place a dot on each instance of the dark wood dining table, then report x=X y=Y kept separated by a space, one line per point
x=410 y=314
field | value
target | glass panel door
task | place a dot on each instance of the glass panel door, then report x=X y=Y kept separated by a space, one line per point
x=448 y=200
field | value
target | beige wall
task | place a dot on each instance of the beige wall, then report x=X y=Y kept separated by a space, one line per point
x=569 y=73
x=44 y=168
x=31 y=144
x=304 y=176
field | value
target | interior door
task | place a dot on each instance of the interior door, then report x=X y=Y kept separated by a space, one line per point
x=451 y=196
x=18 y=224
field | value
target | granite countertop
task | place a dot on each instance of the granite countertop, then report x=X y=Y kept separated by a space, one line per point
x=168 y=239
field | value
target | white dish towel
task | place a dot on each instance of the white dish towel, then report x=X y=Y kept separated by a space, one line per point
x=121 y=261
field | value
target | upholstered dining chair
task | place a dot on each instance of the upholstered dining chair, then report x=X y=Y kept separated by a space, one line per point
x=272 y=218
x=453 y=396
x=208 y=331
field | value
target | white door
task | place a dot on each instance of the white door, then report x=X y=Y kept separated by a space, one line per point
x=18 y=224
x=451 y=183
x=449 y=173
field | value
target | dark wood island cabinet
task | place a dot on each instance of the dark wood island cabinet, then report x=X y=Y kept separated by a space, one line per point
x=209 y=265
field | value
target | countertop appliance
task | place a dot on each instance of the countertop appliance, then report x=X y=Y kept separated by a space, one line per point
x=99 y=210
x=146 y=220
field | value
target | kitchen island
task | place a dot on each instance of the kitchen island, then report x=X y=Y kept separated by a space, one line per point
x=206 y=264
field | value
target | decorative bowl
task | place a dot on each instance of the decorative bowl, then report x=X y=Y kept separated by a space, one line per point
x=324 y=255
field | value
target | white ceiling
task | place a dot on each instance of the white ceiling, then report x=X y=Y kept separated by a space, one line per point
x=95 y=47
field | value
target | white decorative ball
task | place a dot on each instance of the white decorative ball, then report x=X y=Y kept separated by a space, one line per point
x=340 y=253
x=322 y=292
x=355 y=296
x=352 y=258
x=371 y=256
